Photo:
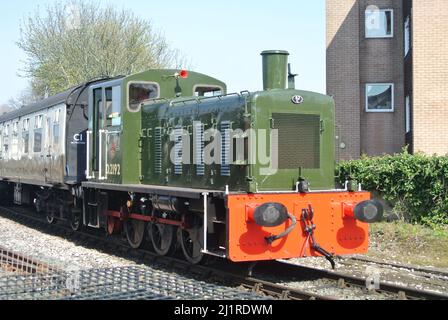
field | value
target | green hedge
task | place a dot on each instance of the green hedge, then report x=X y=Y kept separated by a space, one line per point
x=415 y=185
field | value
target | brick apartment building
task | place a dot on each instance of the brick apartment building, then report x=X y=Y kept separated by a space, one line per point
x=387 y=68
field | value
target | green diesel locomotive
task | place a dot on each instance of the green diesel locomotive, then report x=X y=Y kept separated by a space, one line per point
x=168 y=157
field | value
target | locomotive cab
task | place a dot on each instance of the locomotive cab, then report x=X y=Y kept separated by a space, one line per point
x=117 y=130
x=115 y=118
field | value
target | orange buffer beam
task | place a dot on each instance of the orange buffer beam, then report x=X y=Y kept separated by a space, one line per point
x=337 y=230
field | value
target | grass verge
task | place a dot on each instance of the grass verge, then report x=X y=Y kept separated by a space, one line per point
x=410 y=244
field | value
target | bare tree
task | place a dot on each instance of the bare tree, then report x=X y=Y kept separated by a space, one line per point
x=26 y=97
x=4 y=108
x=78 y=41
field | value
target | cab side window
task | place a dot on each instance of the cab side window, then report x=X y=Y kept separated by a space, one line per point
x=207 y=91
x=140 y=92
x=113 y=106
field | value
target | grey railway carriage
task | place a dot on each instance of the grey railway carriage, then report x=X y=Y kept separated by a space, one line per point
x=35 y=149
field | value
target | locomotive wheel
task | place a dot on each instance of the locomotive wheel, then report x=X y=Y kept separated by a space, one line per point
x=163 y=238
x=50 y=218
x=191 y=245
x=75 y=221
x=114 y=226
x=135 y=233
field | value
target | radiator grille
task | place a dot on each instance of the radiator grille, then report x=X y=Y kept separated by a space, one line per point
x=298 y=141
x=225 y=149
x=158 y=151
x=199 y=148
x=178 y=151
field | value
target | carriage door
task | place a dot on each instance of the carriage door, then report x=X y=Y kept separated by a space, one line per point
x=47 y=147
x=96 y=136
x=96 y=164
x=104 y=132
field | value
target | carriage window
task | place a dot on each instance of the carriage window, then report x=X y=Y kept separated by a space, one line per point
x=208 y=91
x=5 y=146
x=98 y=106
x=15 y=129
x=140 y=92
x=113 y=106
x=57 y=116
x=38 y=126
x=38 y=122
x=6 y=140
x=56 y=128
x=26 y=136
x=26 y=125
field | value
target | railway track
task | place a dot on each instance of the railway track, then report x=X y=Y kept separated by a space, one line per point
x=229 y=274
x=221 y=271
x=429 y=272
x=343 y=280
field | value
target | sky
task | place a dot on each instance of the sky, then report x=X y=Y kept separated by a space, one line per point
x=222 y=39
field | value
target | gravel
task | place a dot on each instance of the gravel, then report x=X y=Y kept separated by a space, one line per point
x=3 y=273
x=53 y=249
x=66 y=255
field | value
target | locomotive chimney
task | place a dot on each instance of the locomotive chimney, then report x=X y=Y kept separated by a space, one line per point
x=275 y=65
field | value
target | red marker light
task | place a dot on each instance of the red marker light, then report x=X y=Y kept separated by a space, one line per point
x=183 y=74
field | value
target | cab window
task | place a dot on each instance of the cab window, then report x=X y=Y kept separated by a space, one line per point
x=207 y=91
x=113 y=106
x=140 y=92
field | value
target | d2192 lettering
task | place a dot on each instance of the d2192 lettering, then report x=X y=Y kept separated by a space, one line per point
x=113 y=169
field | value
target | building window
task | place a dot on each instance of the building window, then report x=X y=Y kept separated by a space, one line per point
x=380 y=97
x=379 y=23
x=407 y=36
x=408 y=115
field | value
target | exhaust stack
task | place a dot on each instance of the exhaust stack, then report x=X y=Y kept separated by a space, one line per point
x=275 y=69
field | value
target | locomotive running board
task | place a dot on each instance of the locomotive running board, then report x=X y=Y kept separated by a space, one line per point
x=154 y=190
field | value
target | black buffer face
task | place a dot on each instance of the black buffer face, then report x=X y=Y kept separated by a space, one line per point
x=271 y=215
x=369 y=211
